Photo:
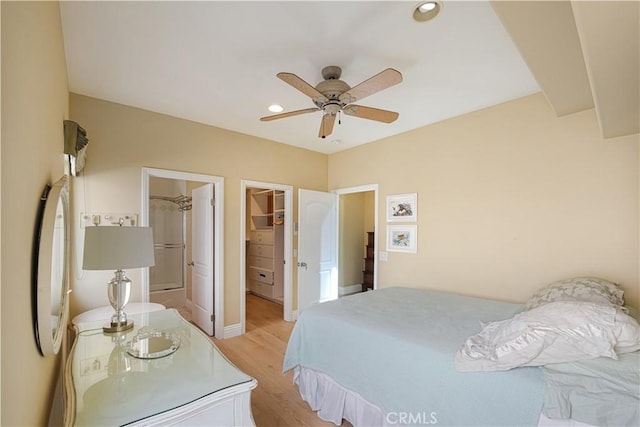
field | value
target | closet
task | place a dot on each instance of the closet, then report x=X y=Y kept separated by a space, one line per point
x=265 y=247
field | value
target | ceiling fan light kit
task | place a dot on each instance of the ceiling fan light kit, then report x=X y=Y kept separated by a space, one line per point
x=333 y=96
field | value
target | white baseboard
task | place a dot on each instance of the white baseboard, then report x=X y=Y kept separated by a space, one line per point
x=344 y=290
x=232 y=331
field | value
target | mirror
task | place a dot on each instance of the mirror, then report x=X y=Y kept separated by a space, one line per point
x=51 y=276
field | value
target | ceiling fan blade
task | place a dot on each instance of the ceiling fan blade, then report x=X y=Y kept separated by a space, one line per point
x=288 y=114
x=302 y=86
x=370 y=113
x=326 y=126
x=380 y=81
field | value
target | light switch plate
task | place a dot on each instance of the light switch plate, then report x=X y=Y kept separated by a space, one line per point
x=383 y=256
x=89 y=219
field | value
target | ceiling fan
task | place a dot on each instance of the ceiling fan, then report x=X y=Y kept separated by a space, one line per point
x=332 y=96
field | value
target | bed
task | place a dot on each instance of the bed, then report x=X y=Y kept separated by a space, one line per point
x=386 y=357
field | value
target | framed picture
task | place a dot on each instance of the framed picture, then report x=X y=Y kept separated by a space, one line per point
x=402 y=238
x=402 y=207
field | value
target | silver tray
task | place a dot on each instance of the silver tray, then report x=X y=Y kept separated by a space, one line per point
x=152 y=345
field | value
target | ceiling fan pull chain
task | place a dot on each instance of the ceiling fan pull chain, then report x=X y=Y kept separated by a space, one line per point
x=340 y=117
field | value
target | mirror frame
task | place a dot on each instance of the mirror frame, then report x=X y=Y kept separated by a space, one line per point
x=42 y=297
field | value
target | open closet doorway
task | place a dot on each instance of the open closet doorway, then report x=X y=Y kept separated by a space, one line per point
x=266 y=246
x=357 y=238
x=185 y=212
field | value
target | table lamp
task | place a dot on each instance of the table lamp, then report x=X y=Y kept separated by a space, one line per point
x=113 y=247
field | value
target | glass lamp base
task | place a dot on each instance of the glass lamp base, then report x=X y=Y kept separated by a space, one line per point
x=118 y=326
x=119 y=290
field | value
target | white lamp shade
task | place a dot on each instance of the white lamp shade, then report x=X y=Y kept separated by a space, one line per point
x=117 y=248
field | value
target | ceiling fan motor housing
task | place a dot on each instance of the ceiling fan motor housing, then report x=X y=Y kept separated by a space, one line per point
x=332 y=88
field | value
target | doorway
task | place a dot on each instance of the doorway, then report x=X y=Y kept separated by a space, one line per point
x=266 y=236
x=357 y=238
x=169 y=206
x=319 y=248
x=174 y=257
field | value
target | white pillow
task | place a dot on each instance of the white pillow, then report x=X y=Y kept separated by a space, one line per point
x=590 y=289
x=556 y=332
x=627 y=332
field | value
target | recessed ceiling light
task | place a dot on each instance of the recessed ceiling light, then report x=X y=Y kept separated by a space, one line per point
x=426 y=10
x=426 y=7
x=275 y=108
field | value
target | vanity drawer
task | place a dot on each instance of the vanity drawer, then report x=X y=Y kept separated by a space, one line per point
x=261 y=275
x=261 y=288
x=263 y=237
x=261 y=250
x=261 y=262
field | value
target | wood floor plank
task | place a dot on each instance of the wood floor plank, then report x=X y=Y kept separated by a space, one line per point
x=260 y=353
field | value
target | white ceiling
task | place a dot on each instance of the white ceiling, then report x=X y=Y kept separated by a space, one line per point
x=216 y=62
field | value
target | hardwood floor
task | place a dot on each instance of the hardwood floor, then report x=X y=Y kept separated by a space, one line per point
x=259 y=353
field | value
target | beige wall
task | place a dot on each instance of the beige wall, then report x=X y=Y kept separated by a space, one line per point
x=510 y=198
x=34 y=105
x=125 y=139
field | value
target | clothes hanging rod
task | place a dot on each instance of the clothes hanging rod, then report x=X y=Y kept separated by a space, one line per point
x=168 y=246
x=183 y=202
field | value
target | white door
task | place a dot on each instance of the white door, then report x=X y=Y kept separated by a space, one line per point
x=317 y=247
x=202 y=257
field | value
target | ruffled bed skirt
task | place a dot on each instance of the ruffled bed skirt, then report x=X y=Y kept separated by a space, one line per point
x=333 y=403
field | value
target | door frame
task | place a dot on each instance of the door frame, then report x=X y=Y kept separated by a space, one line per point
x=363 y=189
x=218 y=242
x=288 y=247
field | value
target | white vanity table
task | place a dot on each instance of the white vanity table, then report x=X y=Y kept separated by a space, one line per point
x=195 y=385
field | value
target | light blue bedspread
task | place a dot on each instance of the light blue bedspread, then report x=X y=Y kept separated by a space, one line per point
x=600 y=392
x=396 y=346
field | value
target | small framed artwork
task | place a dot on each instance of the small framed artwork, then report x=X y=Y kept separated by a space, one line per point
x=402 y=207
x=402 y=238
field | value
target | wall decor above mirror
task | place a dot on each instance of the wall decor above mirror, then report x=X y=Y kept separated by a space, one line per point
x=50 y=276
